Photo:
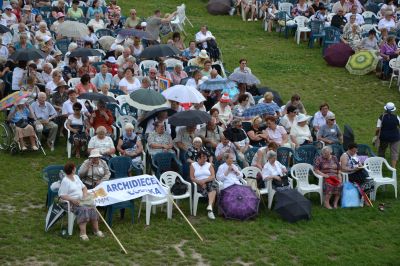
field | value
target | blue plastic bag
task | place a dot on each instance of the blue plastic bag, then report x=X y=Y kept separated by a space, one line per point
x=350 y=196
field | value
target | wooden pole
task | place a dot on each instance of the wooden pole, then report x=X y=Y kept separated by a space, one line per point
x=186 y=219
x=109 y=228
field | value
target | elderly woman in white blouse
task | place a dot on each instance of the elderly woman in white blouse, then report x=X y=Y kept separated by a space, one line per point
x=228 y=173
x=275 y=171
x=300 y=133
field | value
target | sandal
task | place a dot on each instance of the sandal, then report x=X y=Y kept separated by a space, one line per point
x=381 y=207
x=84 y=237
x=99 y=234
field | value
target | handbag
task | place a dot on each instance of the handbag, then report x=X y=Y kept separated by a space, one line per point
x=350 y=196
x=178 y=188
x=22 y=123
x=333 y=181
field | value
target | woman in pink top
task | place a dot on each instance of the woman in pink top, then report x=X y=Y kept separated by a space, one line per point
x=85 y=85
x=276 y=133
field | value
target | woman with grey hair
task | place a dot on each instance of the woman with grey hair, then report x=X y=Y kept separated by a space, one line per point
x=228 y=173
x=130 y=145
x=276 y=172
x=328 y=167
x=103 y=143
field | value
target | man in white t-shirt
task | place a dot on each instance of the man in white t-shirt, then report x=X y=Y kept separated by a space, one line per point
x=320 y=116
x=203 y=36
x=67 y=105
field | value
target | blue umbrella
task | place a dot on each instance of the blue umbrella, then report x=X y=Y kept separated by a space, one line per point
x=216 y=84
x=259 y=109
x=232 y=92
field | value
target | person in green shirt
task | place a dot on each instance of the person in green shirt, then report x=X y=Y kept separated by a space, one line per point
x=75 y=12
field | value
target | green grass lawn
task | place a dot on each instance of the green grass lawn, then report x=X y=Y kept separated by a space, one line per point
x=362 y=236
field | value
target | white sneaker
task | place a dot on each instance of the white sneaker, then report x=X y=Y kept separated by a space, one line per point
x=255 y=19
x=249 y=19
x=35 y=148
x=211 y=215
x=99 y=234
x=209 y=208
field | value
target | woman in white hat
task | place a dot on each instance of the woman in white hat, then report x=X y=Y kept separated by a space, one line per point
x=387 y=131
x=201 y=59
x=300 y=133
x=19 y=115
x=225 y=111
x=130 y=145
x=94 y=170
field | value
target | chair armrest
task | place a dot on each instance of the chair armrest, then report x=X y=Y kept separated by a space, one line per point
x=320 y=178
x=389 y=167
x=220 y=185
x=178 y=163
x=290 y=182
x=345 y=177
x=68 y=204
x=153 y=163
x=244 y=182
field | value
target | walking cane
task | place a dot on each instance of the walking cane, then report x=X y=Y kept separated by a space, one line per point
x=109 y=228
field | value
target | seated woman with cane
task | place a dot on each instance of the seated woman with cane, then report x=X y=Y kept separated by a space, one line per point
x=73 y=190
x=202 y=173
x=94 y=170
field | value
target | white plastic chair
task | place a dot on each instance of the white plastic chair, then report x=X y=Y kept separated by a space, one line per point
x=301 y=22
x=145 y=65
x=394 y=64
x=151 y=203
x=197 y=195
x=123 y=119
x=73 y=82
x=169 y=178
x=69 y=145
x=367 y=27
x=369 y=14
x=180 y=18
x=272 y=191
x=71 y=217
x=287 y=7
x=300 y=173
x=172 y=62
x=374 y=167
x=250 y=174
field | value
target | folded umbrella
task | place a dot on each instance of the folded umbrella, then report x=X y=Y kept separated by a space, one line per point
x=235 y=134
x=338 y=54
x=292 y=206
x=73 y=29
x=348 y=136
x=54 y=214
x=27 y=54
x=189 y=118
x=95 y=96
x=152 y=114
x=134 y=32
x=216 y=84
x=259 y=109
x=12 y=99
x=183 y=94
x=82 y=52
x=160 y=50
x=238 y=202
x=147 y=100
x=244 y=77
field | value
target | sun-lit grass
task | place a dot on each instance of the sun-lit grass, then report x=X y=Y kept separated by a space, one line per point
x=362 y=236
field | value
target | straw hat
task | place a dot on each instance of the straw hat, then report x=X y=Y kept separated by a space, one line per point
x=302 y=118
x=203 y=54
x=95 y=153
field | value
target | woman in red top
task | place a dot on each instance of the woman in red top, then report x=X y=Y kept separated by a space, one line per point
x=111 y=63
x=102 y=117
x=85 y=85
x=86 y=68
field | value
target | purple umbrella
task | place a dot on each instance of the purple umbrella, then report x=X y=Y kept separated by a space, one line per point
x=338 y=54
x=238 y=202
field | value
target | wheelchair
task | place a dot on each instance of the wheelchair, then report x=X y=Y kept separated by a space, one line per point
x=8 y=142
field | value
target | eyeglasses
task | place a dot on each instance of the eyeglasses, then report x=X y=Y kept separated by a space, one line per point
x=76 y=109
x=331 y=119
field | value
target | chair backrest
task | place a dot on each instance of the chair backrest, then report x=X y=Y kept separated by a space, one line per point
x=168 y=178
x=45 y=11
x=374 y=8
x=62 y=45
x=251 y=172
x=316 y=26
x=52 y=173
x=368 y=14
x=120 y=166
x=301 y=21
x=284 y=156
x=337 y=150
x=172 y=62
x=392 y=63
x=249 y=154
x=305 y=154
x=163 y=161
x=72 y=82
x=332 y=34
x=145 y=65
x=301 y=172
x=365 y=150
x=374 y=166
x=114 y=108
x=117 y=92
x=103 y=32
x=123 y=119
x=287 y=7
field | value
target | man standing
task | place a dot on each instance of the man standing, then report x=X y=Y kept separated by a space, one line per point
x=44 y=113
x=154 y=24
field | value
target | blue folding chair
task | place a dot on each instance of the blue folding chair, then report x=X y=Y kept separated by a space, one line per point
x=305 y=154
x=284 y=156
x=62 y=45
x=119 y=166
x=365 y=150
x=337 y=150
x=51 y=174
x=163 y=161
x=332 y=36
x=316 y=33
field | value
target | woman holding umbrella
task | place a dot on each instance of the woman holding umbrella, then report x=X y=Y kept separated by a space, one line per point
x=129 y=83
x=228 y=173
x=202 y=173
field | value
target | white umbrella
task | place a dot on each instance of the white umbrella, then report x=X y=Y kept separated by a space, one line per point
x=183 y=94
x=73 y=29
x=106 y=42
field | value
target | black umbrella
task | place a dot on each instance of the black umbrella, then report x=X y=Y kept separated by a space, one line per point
x=292 y=206
x=189 y=118
x=134 y=32
x=160 y=50
x=27 y=54
x=4 y=29
x=348 y=136
x=147 y=100
x=82 y=52
x=54 y=214
x=219 y=7
x=154 y=113
x=95 y=96
x=235 y=134
x=277 y=97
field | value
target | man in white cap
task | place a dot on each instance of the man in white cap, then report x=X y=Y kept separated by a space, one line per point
x=387 y=132
x=44 y=113
x=9 y=17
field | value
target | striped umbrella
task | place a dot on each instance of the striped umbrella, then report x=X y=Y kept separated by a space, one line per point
x=12 y=99
x=362 y=63
x=259 y=109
